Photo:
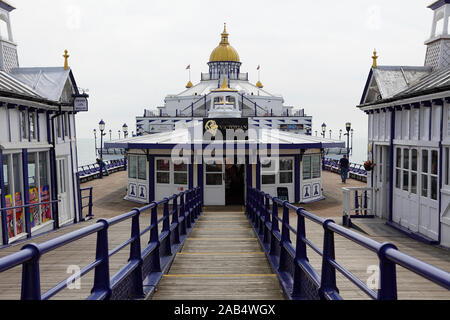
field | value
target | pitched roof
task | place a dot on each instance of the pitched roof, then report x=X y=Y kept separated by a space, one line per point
x=47 y=82
x=12 y=85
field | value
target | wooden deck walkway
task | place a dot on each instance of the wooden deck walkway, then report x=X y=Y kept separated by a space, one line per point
x=222 y=259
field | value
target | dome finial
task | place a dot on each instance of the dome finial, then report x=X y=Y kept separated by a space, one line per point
x=224 y=27
x=375 y=57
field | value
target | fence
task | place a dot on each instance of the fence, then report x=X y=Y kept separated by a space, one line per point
x=356 y=172
x=92 y=171
x=358 y=203
x=89 y=203
x=144 y=266
x=27 y=218
x=297 y=276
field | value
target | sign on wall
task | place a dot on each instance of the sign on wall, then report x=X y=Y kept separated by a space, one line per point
x=80 y=103
x=220 y=126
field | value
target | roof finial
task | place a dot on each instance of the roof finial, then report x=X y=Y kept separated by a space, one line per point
x=66 y=59
x=375 y=57
x=224 y=27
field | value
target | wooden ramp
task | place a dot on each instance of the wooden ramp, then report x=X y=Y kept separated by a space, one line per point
x=222 y=259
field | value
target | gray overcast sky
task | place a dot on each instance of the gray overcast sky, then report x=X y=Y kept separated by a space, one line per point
x=131 y=54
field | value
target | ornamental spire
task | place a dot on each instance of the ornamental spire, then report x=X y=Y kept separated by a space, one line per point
x=225 y=35
x=66 y=59
x=375 y=57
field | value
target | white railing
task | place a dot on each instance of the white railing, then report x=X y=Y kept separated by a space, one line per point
x=358 y=202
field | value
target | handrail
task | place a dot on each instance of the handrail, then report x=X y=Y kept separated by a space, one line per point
x=128 y=282
x=299 y=279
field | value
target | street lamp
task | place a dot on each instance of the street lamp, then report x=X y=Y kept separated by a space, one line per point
x=101 y=126
x=125 y=130
x=324 y=129
x=119 y=133
x=340 y=134
x=110 y=135
x=348 y=127
x=351 y=148
x=330 y=134
x=95 y=136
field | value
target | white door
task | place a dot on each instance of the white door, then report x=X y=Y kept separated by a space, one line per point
x=406 y=199
x=428 y=219
x=64 y=209
x=214 y=184
x=382 y=178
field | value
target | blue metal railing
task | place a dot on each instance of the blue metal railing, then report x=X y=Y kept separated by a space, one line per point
x=92 y=171
x=297 y=276
x=356 y=172
x=144 y=268
x=89 y=203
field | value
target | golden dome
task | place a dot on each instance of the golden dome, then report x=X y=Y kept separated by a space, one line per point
x=189 y=85
x=224 y=52
x=259 y=85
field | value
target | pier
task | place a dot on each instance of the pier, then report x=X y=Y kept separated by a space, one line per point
x=221 y=257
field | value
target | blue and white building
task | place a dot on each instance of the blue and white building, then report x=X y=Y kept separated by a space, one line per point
x=38 y=149
x=179 y=146
x=409 y=137
x=252 y=101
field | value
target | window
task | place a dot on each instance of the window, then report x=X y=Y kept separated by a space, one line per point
x=311 y=167
x=414 y=171
x=214 y=174
x=24 y=125
x=268 y=173
x=286 y=171
x=405 y=169
x=398 y=170
x=33 y=125
x=58 y=126
x=425 y=173
x=66 y=124
x=163 y=171
x=132 y=167
x=434 y=175
x=180 y=174
x=142 y=168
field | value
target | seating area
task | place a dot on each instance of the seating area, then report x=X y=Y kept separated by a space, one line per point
x=357 y=171
x=92 y=171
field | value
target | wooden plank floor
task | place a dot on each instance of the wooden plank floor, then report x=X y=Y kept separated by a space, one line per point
x=221 y=259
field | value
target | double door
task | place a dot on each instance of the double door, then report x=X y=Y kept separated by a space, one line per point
x=416 y=190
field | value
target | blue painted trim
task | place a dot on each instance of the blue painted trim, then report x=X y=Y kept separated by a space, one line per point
x=366 y=87
x=29 y=126
x=258 y=174
x=26 y=191
x=200 y=180
x=38 y=127
x=54 y=196
x=437 y=4
x=297 y=178
x=4 y=224
x=9 y=125
x=151 y=179
x=6 y=6
x=191 y=175
x=430 y=122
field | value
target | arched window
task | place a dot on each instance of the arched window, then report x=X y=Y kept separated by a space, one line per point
x=4 y=34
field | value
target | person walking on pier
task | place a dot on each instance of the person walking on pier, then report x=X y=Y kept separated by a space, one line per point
x=103 y=165
x=344 y=166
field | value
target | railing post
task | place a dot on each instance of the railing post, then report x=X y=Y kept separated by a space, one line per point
x=187 y=210
x=356 y=202
x=137 y=288
x=266 y=237
x=183 y=231
x=102 y=284
x=299 y=286
x=388 y=276
x=275 y=227
x=31 y=280
x=328 y=288
x=175 y=220
x=90 y=215
x=166 y=227
x=285 y=238
x=154 y=238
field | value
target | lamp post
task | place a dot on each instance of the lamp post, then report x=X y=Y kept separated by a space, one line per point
x=95 y=136
x=119 y=134
x=316 y=133
x=348 y=127
x=330 y=134
x=101 y=126
x=351 y=148
x=324 y=129
x=110 y=134
x=340 y=134
x=125 y=130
